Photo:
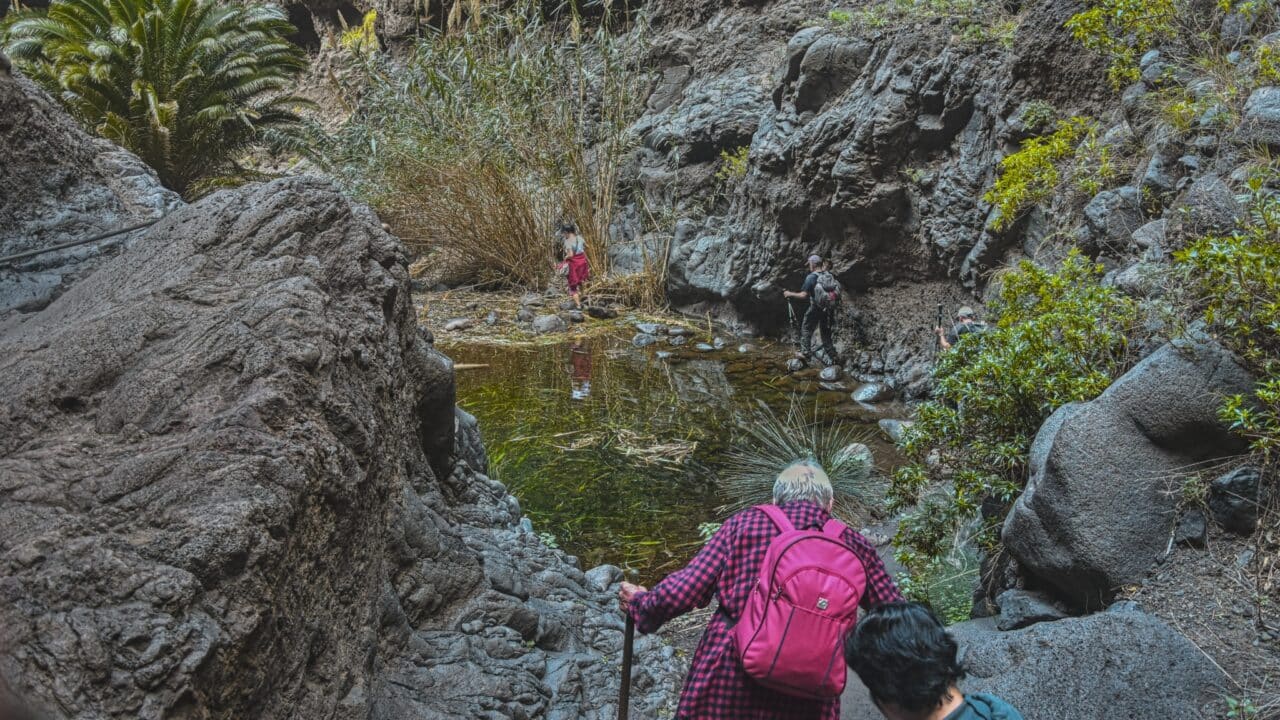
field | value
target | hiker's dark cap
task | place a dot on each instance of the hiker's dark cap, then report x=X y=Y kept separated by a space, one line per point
x=965 y=312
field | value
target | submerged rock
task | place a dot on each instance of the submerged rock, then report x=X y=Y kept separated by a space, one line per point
x=643 y=340
x=549 y=324
x=894 y=429
x=872 y=393
x=831 y=373
x=459 y=324
x=651 y=328
x=676 y=340
x=795 y=365
x=704 y=347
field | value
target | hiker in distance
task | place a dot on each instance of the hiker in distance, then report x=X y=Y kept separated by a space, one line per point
x=905 y=657
x=764 y=565
x=822 y=290
x=966 y=322
x=574 y=250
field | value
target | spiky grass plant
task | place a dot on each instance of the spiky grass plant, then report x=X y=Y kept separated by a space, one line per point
x=770 y=442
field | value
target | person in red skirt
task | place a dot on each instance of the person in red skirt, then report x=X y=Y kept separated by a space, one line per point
x=575 y=261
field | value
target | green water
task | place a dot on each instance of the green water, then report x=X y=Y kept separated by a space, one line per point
x=614 y=452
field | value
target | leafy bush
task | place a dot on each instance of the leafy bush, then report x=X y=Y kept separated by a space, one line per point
x=1236 y=281
x=733 y=165
x=477 y=144
x=944 y=584
x=840 y=18
x=1037 y=115
x=1055 y=337
x=190 y=86
x=1031 y=175
x=1123 y=30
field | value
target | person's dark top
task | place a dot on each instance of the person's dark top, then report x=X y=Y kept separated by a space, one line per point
x=981 y=706
x=810 y=285
x=953 y=335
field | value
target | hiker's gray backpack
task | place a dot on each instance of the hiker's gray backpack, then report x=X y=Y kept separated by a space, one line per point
x=826 y=293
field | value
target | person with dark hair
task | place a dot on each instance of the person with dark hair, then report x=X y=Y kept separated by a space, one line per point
x=575 y=261
x=907 y=660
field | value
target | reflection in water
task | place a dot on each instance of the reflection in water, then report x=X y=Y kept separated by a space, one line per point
x=579 y=370
x=614 y=452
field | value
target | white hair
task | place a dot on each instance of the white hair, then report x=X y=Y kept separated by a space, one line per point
x=803 y=480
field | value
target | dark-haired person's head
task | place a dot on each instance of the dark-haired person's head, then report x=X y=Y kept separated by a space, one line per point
x=904 y=656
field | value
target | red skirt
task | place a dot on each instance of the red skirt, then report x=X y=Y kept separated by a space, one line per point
x=578 y=271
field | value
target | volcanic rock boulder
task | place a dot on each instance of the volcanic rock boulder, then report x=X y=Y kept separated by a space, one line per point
x=1116 y=664
x=61 y=185
x=229 y=487
x=1100 y=502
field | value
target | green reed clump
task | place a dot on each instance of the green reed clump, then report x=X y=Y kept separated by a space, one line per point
x=482 y=140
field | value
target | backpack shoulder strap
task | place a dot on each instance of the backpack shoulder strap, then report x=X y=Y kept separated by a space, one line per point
x=834 y=528
x=778 y=517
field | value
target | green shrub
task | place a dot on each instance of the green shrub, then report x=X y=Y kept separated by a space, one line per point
x=1236 y=282
x=190 y=86
x=944 y=584
x=1054 y=338
x=733 y=164
x=840 y=18
x=1031 y=175
x=1123 y=30
x=1037 y=115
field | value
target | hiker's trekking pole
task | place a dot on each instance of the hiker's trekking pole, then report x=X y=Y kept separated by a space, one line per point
x=791 y=316
x=937 y=337
x=624 y=692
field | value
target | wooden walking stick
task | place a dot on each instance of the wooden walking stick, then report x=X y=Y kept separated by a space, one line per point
x=624 y=692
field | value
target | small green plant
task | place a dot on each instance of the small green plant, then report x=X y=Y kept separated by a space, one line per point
x=915 y=175
x=362 y=40
x=1031 y=174
x=840 y=18
x=1241 y=708
x=944 y=584
x=1055 y=337
x=733 y=164
x=1194 y=492
x=1268 y=65
x=1122 y=30
x=549 y=540
x=1037 y=115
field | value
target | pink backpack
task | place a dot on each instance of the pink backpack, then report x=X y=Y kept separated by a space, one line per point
x=791 y=634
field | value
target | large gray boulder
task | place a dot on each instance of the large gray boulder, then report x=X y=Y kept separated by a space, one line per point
x=61 y=185
x=1111 y=665
x=1261 y=123
x=233 y=484
x=1099 y=503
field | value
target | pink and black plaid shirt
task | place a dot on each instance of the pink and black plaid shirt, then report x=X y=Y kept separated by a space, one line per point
x=728 y=567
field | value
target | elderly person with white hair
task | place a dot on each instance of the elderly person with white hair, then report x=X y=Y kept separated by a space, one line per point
x=727 y=567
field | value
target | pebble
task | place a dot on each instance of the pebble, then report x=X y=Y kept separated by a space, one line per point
x=491 y=318
x=676 y=340
x=576 y=316
x=643 y=340
x=651 y=328
x=746 y=348
x=704 y=347
x=457 y=324
x=795 y=365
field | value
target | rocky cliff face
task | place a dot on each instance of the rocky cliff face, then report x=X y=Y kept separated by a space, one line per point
x=231 y=486
x=872 y=148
